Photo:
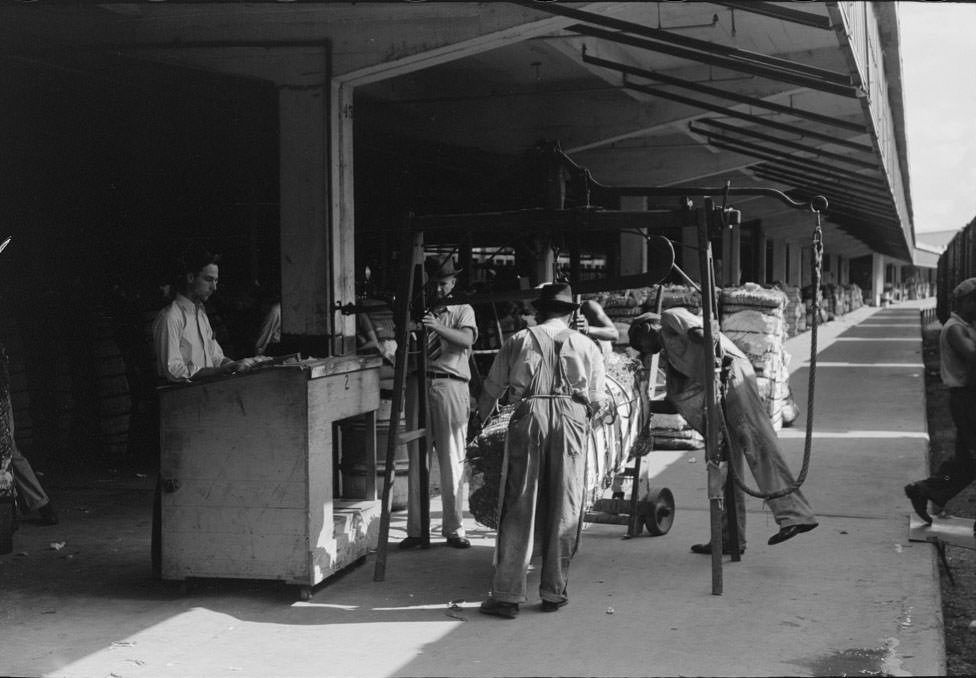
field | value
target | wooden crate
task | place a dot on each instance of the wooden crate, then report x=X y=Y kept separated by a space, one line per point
x=247 y=471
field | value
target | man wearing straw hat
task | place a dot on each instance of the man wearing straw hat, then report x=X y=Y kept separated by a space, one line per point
x=556 y=377
x=451 y=332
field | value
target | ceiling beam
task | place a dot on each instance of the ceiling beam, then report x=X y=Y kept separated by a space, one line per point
x=723 y=94
x=711 y=122
x=716 y=108
x=744 y=66
x=777 y=11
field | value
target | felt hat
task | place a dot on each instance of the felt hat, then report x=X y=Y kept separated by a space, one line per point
x=964 y=289
x=438 y=269
x=556 y=297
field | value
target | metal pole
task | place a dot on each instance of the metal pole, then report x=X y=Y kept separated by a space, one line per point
x=712 y=429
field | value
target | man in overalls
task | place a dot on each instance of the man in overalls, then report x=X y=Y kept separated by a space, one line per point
x=555 y=375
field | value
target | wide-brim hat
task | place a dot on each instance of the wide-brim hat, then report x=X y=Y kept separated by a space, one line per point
x=438 y=269
x=556 y=297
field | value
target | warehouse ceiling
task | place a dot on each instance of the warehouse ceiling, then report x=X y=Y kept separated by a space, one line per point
x=651 y=94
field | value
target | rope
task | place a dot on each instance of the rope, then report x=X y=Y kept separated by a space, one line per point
x=811 y=386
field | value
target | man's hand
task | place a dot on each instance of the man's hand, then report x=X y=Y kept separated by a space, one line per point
x=580 y=324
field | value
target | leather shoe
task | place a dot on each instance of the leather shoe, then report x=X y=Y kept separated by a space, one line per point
x=706 y=549
x=497 y=608
x=458 y=542
x=552 y=606
x=920 y=502
x=414 y=543
x=790 y=531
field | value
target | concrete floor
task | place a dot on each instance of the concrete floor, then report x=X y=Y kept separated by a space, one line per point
x=852 y=597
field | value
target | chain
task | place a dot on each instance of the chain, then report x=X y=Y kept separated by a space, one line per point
x=817 y=256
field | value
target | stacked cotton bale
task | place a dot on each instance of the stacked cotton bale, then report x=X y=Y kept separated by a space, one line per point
x=671 y=432
x=621 y=306
x=795 y=312
x=855 y=295
x=752 y=317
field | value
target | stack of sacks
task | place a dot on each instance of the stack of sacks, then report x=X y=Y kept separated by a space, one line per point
x=752 y=317
x=621 y=307
x=795 y=313
x=855 y=295
x=672 y=432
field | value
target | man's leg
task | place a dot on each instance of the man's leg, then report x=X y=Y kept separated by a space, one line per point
x=955 y=473
x=565 y=455
x=448 y=422
x=753 y=434
x=414 y=528
x=516 y=529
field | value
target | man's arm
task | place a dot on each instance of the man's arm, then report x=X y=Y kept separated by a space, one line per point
x=962 y=344
x=463 y=334
x=496 y=382
x=593 y=321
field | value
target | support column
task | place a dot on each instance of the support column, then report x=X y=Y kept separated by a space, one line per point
x=732 y=244
x=305 y=261
x=689 y=255
x=779 y=261
x=633 y=246
x=877 y=277
x=795 y=264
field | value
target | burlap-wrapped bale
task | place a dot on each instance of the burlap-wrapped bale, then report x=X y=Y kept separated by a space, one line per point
x=611 y=439
x=483 y=461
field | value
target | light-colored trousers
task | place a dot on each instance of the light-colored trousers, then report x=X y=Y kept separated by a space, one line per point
x=752 y=434
x=543 y=496
x=448 y=409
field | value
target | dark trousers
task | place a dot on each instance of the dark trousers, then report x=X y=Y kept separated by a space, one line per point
x=955 y=473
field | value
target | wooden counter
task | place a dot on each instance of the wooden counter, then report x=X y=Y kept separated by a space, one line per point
x=247 y=470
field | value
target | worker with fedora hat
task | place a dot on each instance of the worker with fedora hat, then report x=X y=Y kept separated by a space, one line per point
x=451 y=333
x=555 y=376
x=957 y=355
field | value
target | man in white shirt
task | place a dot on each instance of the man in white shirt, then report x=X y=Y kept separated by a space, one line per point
x=451 y=332
x=186 y=348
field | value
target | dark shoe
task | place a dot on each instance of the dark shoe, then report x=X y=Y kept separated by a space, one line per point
x=790 y=531
x=48 y=515
x=920 y=502
x=414 y=543
x=550 y=606
x=706 y=549
x=458 y=542
x=497 y=608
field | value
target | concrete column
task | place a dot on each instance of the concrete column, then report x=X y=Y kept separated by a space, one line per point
x=306 y=269
x=633 y=246
x=731 y=257
x=779 y=260
x=689 y=255
x=877 y=277
x=794 y=255
x=762 y=273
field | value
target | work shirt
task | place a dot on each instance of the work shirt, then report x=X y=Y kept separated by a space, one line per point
x=684 y=361
x=454 y=359
x=184 y=341
x=519 y=358
x=955 y=369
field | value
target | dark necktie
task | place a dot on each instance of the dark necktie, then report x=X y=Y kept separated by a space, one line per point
x=433 y=346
